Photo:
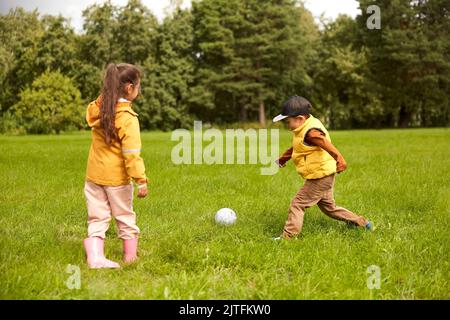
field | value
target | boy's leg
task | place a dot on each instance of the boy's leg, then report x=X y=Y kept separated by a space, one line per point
x=99 y=211
x=307 y=196
x=328 y=206
x=121 y=202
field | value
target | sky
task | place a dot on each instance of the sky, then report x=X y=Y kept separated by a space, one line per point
x=73 y=8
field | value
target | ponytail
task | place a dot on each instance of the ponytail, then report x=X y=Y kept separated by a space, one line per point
x=116 y=76
x=110 y=95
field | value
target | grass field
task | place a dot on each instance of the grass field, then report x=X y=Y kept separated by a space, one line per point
x=397 y=178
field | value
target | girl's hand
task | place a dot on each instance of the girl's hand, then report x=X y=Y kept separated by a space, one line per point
x=142 y=190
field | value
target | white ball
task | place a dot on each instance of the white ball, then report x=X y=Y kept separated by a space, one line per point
x=226 y=216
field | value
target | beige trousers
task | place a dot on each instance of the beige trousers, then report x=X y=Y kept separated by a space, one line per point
x=320 y=192
x=106 y=201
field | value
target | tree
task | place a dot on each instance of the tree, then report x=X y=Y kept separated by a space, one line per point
x=246 y=52
x=298 y=77
x=97 y=45
x=343 y=94
x=235 y=60
x=135 y=32
x=408 y=56
x=20 y=32
x=168 y=75
x=57 y=46
x=112 y=34
x=51 y=104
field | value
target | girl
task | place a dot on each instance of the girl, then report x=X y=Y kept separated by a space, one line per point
x=114 y=161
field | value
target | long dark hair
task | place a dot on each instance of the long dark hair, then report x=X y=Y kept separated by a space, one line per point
x=116 y=77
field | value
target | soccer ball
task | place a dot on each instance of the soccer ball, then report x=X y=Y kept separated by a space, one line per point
x=225 y=216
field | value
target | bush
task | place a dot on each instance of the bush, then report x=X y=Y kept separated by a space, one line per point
x=52 y=104
x=11 y=124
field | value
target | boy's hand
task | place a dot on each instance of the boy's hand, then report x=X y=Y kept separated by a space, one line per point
x=285 y=157
x=317 y=138
x=280 y=163
x=142 y=190
x=341 y=164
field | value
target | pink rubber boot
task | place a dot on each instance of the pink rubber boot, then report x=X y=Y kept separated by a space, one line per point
x=130 y=250
x=95 y=256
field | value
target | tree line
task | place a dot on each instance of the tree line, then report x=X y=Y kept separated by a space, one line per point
x=228 y=61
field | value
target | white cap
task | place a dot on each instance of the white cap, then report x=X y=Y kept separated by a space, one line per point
x=279 y=117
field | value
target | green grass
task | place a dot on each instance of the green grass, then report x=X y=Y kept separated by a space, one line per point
x=397 y=178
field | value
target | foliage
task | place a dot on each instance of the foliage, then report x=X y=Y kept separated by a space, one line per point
x=236 y=61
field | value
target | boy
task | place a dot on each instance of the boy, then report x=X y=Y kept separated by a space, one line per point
x=317 y=161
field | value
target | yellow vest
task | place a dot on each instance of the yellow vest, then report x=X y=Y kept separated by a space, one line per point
x=311 y=162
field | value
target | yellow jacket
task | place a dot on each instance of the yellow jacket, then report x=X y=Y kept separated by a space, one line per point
x=311 y=162
x=119 y=163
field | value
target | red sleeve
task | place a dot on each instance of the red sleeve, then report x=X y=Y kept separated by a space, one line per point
x=313 y=133
x=286 y=156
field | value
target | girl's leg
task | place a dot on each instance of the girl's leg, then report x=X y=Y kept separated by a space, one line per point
x=99 y=211
x=121 y=202
x=99 y=215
